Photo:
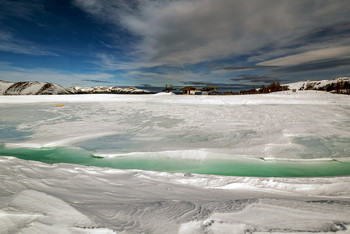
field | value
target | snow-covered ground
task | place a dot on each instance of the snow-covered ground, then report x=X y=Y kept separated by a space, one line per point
x=64 y=198
x=70 y=198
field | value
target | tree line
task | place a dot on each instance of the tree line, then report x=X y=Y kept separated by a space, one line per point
x=273 y=87
x=339 y=87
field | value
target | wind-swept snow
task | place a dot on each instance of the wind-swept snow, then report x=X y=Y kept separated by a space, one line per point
x=308 y=124
x=42 y=198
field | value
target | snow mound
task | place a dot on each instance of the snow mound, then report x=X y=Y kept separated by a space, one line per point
x=164 y=94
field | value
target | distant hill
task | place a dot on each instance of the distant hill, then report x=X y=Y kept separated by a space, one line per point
x=45 y=88
x=31 y=88
x=338 y=85
x=103 y=89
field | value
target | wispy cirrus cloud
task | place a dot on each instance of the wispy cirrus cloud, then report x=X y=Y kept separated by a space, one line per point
x=10 y=38
x=315 y=65
x=257 y=79
x=242 y=68
x=329 y=33
x=217 y=84
x=314 y=60
x=110 y=62
x=11 y=43
x=99 y=81
x=308 y=56
x=21 y=8
x=9 y=72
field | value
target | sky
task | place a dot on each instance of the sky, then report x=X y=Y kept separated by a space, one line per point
x=224 y=43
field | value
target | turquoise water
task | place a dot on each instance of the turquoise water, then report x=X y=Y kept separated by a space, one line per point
x=252 y=167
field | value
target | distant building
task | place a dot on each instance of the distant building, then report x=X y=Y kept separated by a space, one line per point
x=189 y=90
x=209 y=90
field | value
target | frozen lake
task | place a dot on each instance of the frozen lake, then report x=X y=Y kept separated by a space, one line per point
x=257 y=141
x=262 y=135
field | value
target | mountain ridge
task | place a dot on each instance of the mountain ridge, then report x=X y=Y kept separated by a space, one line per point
x=337 y=85
x=47 y=88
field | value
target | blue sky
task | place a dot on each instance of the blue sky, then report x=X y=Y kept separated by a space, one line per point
x=227 y=43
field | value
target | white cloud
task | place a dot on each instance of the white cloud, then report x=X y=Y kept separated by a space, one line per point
x=180 y=32
x=320 y=54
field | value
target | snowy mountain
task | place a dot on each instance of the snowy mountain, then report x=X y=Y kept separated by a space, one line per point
x=31 y=88
x=318 y=85
x=44 y=88
x=103 y=89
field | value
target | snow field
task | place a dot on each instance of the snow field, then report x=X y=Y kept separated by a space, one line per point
x=69 y=198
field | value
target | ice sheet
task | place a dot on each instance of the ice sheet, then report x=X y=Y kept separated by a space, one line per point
x=305 y=125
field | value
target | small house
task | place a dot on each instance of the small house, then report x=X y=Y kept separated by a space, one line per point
x=189 y=90
x=209 y=90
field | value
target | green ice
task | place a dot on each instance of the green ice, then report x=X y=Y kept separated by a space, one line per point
x=227 y=167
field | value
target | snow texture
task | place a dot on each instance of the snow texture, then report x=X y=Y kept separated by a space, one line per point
x=63 y=198
x=66 y=198
x=303 y=125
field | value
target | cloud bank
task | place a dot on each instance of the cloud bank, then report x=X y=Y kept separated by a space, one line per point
x=188 y=32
